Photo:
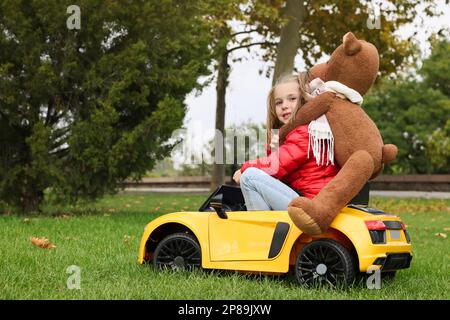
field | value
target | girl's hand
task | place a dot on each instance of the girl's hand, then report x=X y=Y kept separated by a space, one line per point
x=237 y=176
x=274 y=141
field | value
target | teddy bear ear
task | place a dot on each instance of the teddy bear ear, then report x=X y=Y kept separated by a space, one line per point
x=351 y=44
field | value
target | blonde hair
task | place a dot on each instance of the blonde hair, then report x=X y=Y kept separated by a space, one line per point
x=272 y=120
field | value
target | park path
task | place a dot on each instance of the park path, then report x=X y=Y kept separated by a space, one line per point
x=377 y=193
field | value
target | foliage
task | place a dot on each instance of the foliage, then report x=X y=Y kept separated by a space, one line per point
x=192 y=170
x=82 y=110
x=242 y=143
x=162 y=168
x=436 y=69
x=438 y=147
x=324 y=23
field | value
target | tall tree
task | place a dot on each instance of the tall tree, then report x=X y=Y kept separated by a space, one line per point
x=293 y=13
x=83 y=109
x=227 y=41
x=314 y=28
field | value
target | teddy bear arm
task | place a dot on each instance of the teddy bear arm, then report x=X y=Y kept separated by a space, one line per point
x=310 y=111
x=314 y=108
x=389 y=153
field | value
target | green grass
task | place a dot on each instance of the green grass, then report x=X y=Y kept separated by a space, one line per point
x=103 y=240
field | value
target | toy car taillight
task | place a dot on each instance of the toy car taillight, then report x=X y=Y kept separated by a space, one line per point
x=375 y=225
x=377 y=231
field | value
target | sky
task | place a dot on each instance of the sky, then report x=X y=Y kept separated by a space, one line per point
x=247 y=91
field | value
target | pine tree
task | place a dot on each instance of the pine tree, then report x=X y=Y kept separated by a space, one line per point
x=82 y=109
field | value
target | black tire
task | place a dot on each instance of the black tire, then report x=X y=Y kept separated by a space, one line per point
x=178 y=251
x=324 y=262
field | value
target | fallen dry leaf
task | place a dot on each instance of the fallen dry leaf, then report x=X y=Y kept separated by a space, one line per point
x=42 y=242
x=128 y=205
x=127 y=239
x=441 y=235
x=447 y=229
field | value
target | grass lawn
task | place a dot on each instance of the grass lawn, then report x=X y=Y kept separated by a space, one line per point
x=102 y=239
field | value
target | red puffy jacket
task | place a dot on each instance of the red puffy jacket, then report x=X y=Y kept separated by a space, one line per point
x=294 y=167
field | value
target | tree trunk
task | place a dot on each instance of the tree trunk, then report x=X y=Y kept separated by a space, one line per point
x=218 y=174
x=31 y=199
x=289 y=38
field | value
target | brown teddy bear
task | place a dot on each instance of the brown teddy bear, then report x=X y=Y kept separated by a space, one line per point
x=358 y=145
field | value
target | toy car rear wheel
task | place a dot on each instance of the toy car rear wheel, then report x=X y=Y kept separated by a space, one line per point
x=178 y=251
x=324 y=262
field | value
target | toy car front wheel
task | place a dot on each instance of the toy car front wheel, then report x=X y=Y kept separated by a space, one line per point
x=178 y=251
x=324 y=262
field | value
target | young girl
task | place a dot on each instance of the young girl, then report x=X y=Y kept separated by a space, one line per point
x=297 y=172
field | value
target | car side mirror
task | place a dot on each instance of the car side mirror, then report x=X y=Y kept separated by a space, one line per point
x=217 y=204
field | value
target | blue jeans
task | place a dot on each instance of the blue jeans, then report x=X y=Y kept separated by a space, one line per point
x=264 y=192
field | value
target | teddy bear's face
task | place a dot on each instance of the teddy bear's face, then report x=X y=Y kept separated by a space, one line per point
x=354 y=63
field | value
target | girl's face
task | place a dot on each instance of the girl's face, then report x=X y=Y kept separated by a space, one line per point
x=286 y=97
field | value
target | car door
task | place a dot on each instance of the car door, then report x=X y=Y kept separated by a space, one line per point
x=247 y=235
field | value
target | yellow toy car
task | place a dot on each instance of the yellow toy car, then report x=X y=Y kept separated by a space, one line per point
x=223 y=235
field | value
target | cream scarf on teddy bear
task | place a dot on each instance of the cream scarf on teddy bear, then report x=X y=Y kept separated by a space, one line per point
x=320 y=135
